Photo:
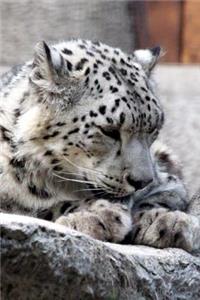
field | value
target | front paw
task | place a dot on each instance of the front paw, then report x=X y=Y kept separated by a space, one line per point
x=105 y=221
x=162 y=228
x=85 y=222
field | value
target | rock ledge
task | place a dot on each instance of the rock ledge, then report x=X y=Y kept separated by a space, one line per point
x=43 y=260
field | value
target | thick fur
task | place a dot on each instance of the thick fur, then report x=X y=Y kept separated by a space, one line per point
x=78 y=122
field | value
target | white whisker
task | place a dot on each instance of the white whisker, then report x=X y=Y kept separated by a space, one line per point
x=83 y=190
x=83 y=168
x=73 y=180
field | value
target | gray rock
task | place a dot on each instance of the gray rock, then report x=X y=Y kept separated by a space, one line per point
x=43 y=260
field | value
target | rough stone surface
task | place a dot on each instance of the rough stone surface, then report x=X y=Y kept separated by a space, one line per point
x=43 y=260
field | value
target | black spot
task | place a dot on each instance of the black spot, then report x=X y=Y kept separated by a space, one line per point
x=73 y=131
x=122 y=118
x=136 y=68
x=59 y=124
x=90 y=136
x=123 y=71
x=109 y=120
x=147 y=98
x=131 y=82
x=83 y=118
x=98 y=87
x=81 y=63
x=155 y=102
x=114 y=60
x=87 y=125
x=93 y=114
x=113 y=109
x=99 y=62
x=48 y=127
x=38 y=192
x=133 y=118
x=124 y=99
x=54 y=161
x=103 y=56
x=74 y=120
x=69 y=65
x=87 y=81
x=111 y=70
x=118 y=219
x=113 y=89
x=48 y=153
x=67 y=51
x=90 y=53
x=87 y=71
x=46 y=137
x=55 y=133
x=142 y=101
x=143 y=89
x=106 y=75
x=102 y=109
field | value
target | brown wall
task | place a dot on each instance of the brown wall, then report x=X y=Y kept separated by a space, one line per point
x=175 y=25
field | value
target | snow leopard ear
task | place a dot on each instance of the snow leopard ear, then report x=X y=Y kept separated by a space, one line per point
x=48 y=64
x=148 y=58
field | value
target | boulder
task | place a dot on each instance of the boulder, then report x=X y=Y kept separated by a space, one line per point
x=43 y=260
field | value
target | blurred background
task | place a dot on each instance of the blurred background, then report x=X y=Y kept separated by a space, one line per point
x=126 y=24
x=174 y=25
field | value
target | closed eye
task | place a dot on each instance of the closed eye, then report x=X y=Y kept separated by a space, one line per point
x=113 y=133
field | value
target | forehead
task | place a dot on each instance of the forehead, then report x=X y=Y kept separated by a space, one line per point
x=114 y=82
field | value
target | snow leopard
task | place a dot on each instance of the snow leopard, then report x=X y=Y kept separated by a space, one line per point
x=78 y=130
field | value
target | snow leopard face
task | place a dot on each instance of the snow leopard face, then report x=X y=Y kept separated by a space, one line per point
x=90 y=115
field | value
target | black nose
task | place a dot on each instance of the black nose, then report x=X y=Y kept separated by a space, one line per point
x=138 y=184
